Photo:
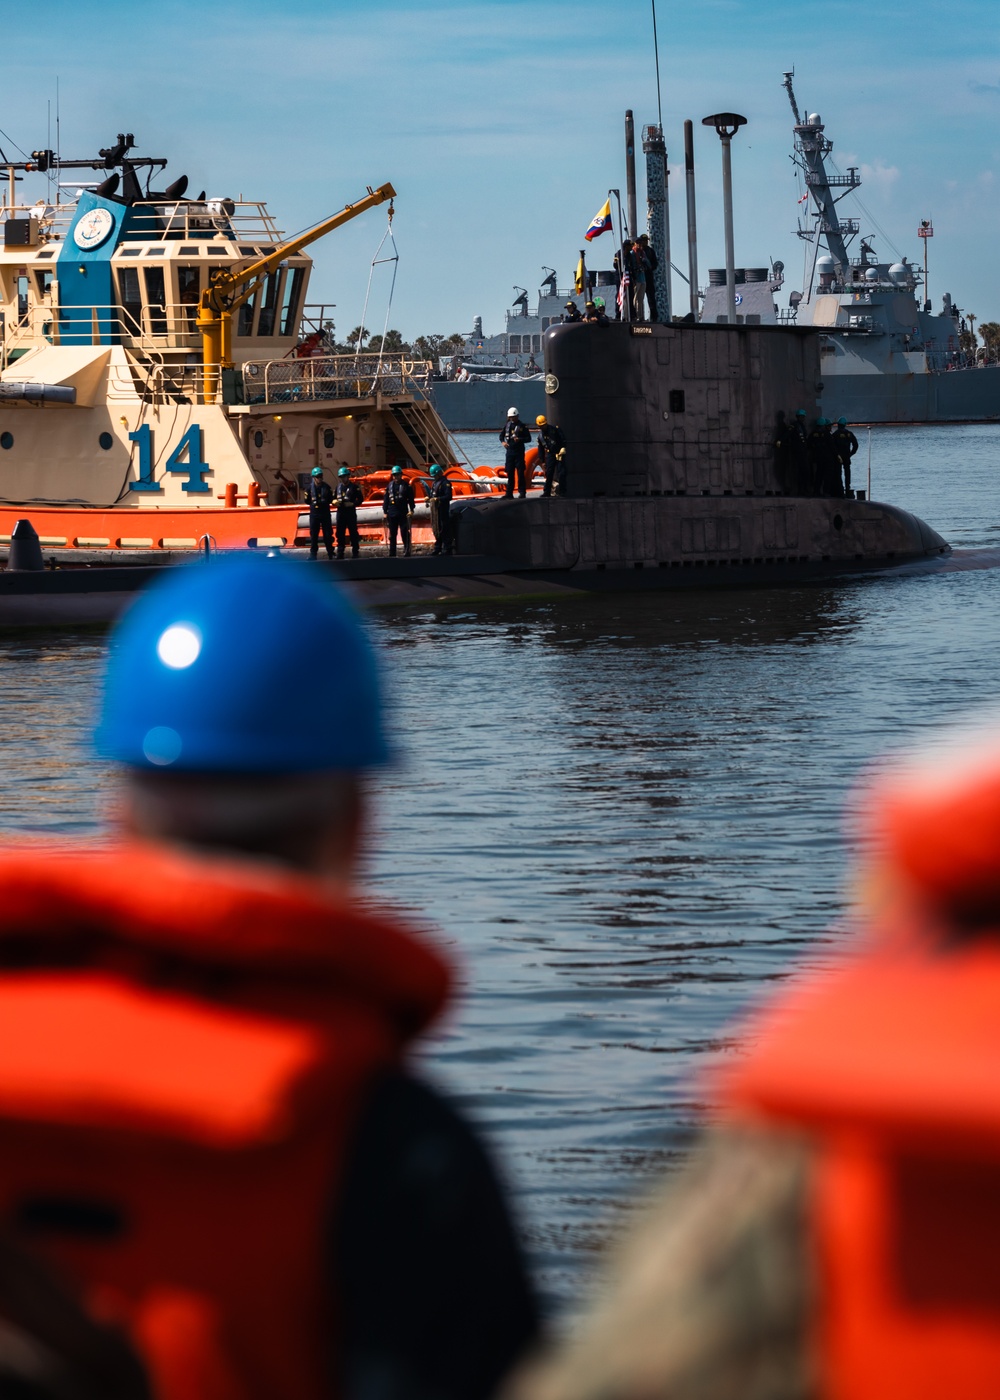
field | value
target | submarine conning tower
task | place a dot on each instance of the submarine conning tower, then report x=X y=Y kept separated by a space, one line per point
x=662 y=410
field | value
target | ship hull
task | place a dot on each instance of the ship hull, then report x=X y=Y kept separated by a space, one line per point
x=954 y=396
x=958 y=396
x=481 y=407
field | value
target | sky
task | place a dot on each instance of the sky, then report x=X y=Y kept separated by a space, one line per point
x=501 y=125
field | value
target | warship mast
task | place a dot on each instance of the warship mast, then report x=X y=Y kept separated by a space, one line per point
x=811 y=148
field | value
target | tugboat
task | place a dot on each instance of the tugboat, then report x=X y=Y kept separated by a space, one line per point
x=157 y=389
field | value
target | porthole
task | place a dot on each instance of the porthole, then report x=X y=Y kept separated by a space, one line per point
x=106 y=441
x=6 y=440
x=838 y=522
x=329 y=437
x=258 y=439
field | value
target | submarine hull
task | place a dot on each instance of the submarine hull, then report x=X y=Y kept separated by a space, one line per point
x=672 y=468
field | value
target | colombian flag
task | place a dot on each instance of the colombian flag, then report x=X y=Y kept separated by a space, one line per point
x=601 y=221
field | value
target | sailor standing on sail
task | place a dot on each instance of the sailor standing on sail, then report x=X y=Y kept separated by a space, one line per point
x=349 y=497
x=397 y=507
x=441 y=494
x=552 y=451
x=797 y=454
x=846 y=444
x=515 y=437
x=320 y=499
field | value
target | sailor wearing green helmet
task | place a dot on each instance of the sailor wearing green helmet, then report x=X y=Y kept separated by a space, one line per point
x=397 y=506
x=319 y=497
x=348 y=496
x=440 y=496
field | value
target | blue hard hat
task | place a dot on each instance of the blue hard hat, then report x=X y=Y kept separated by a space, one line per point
x=344 y=471
x=435 y=470
x=242 y=665
x=397 y=471
x=317 y=471
x=842 y=422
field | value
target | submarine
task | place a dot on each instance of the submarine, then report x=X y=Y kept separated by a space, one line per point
x=672 y=473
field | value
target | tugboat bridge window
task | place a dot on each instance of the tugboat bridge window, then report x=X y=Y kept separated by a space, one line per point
x=188 y=288
x=290 y=300
x=131 y=300
x=156 y=300
x=244 y=324
x=269 y=304
x=43 y=280
x=22 y=299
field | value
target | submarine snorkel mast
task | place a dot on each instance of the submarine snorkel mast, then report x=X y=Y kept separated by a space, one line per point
x=229 y=290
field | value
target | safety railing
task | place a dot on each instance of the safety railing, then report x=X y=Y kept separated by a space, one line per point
x=146 y=329
x=333 y=377
x=241 y=220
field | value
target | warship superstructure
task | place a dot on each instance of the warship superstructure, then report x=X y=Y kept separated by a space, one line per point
x=886 y=355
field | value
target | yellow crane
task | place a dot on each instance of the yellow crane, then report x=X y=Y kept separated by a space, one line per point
x=229 y=289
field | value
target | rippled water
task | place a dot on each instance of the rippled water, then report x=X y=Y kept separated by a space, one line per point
x=624 y=815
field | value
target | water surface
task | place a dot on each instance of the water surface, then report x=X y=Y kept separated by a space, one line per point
x=624 y=816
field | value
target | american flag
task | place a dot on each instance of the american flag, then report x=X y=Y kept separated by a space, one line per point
x=623 y=290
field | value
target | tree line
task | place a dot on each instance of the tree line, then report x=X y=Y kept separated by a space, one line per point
x=424 y=347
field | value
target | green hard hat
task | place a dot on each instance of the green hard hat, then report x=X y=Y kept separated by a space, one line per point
x=822 y=422
x=344 y=471
x=317 y=471
x=435 y=470
x=397 y=471
x=800 y=413
x=842 y=422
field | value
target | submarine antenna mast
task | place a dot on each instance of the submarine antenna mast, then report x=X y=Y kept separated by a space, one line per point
x=656 y=56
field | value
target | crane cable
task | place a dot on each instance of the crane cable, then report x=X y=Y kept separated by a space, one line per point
x=377 y=261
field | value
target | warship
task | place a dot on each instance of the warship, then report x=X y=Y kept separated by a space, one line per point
x=886 y=355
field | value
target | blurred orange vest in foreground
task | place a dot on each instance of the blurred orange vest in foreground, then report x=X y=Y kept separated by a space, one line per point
x=185 y=1045
x=892 y=1068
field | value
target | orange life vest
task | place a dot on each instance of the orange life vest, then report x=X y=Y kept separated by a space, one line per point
x=184 y=1045
x=892 y=1067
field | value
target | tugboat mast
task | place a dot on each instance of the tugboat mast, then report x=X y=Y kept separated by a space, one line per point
x=811 y=148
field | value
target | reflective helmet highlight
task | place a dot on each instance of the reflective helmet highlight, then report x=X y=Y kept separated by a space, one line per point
x=218 y=668
x=317 y=471
x=435 y=470
x=541 y=420
x=396 y=471
x=344 y=471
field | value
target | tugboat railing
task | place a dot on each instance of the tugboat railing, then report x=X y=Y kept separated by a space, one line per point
x=334 y=377
x=243 y=220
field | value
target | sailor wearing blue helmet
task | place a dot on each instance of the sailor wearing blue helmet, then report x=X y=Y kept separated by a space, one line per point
x=224 y=1026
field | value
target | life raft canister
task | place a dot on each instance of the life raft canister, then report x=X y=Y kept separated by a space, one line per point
x=185 y=1049
x=891 y=1068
